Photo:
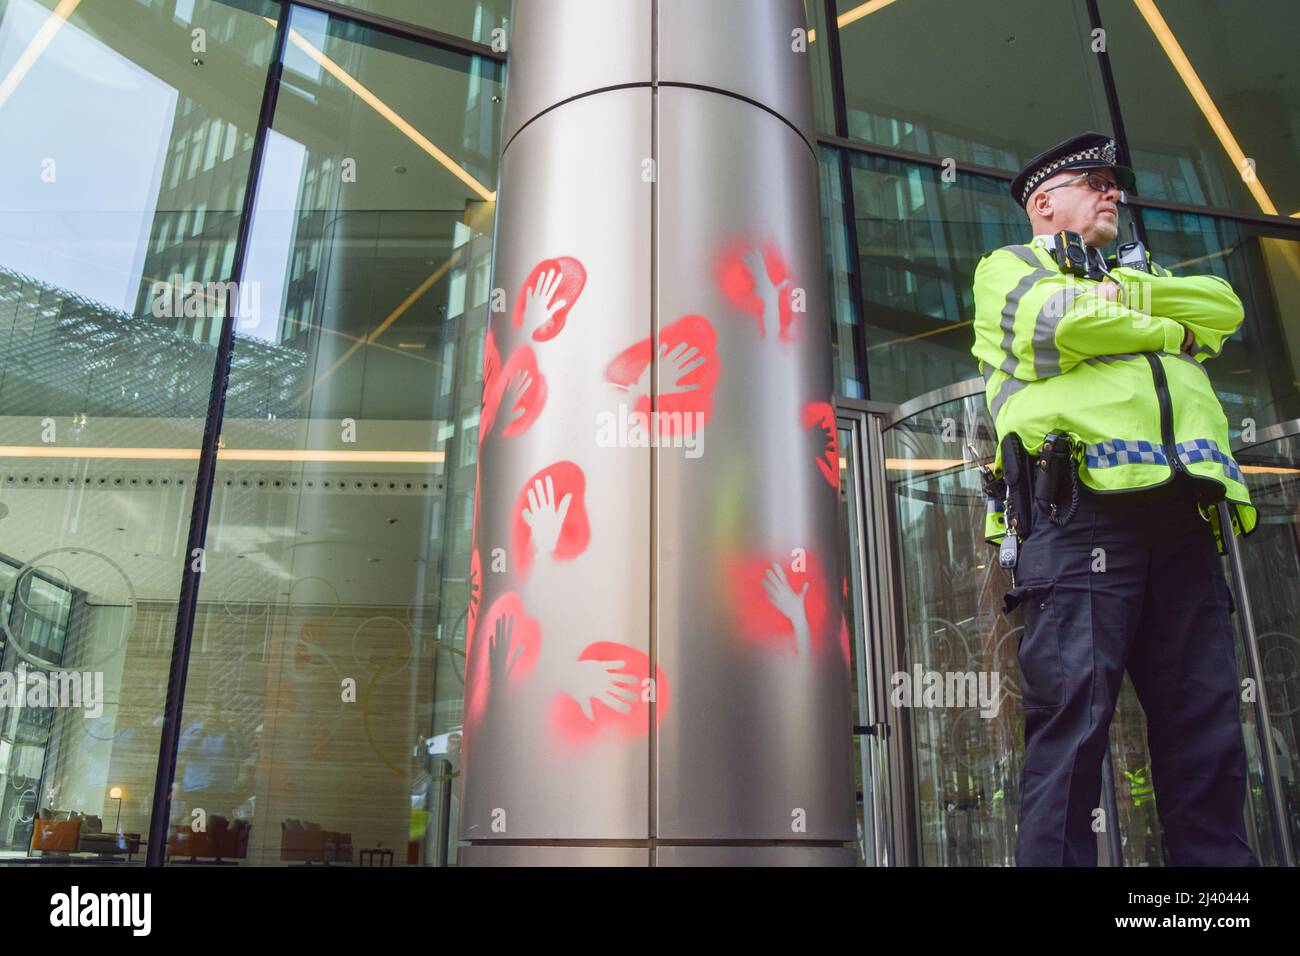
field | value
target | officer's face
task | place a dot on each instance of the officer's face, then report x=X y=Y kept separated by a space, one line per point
x=1078 y=207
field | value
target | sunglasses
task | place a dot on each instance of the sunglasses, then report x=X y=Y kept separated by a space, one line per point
x=1100 y=183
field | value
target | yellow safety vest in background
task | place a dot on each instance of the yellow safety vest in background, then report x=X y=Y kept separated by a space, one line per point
x=1057 y=357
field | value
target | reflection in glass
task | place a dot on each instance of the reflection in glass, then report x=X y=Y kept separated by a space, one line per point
x=322 y=715
x=819 y=50
x=995 y=84
x=1272 y=568
x=471 y=19
x=919 y=239
x=125 y=158
x=967 y=764
x=1257 y=375
x=1210 y=99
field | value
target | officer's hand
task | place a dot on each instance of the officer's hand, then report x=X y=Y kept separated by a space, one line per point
x=1107 y=290
x=1189 y=342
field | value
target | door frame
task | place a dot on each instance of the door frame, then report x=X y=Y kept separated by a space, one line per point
x=883 y=733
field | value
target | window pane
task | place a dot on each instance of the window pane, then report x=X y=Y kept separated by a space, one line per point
x=1257 y=375
x=919 y=239
x=471 y=19
x=324 y=698
x=847 y=347
x=819 y=54
x=110 y=304
x=986 y=83
x=1243 y=57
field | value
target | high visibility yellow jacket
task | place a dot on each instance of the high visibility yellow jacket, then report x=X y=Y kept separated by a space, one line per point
x=1058 y=357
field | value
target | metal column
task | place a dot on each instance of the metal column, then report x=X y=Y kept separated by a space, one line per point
x=658 y=668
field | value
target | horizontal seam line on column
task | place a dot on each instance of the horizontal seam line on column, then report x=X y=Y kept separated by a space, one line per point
x=577 y=96
x=744 y=99
x=662 y=83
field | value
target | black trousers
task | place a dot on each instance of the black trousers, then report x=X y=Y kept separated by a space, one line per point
x=1133 y=581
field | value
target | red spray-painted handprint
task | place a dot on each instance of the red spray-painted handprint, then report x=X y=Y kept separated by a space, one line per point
x=548 y=295
x=689 y=370
x=780 y=601
x=820 y=416
x=502 y=654
x=550 y=516
x=518 y=392
x=491 y=361
x=607 y=695
x=475 y=594
x=761 y=284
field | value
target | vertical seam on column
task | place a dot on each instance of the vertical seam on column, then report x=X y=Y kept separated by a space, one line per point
x=653 y=736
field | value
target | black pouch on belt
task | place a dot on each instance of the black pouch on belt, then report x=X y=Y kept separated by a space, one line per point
x=1015 y=470
x=1051 y=473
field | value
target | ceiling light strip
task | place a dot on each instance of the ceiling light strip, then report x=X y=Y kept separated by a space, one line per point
x=388 y=113
x=36 y=47
x=1183 y=66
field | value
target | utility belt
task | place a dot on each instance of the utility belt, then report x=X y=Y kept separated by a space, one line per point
x=1050 y=477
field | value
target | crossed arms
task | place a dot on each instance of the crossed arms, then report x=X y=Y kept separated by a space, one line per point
x=1032 y=322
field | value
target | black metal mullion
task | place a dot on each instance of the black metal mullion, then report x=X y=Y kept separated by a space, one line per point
x=1116 y=113
x=160 y=816
x=858 y=302
x=838 y=99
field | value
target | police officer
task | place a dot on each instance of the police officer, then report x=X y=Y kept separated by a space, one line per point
x=1112 y=449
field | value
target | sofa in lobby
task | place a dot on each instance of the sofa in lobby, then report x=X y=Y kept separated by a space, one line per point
x=305 y=842
x=222 y=842
x=67 y=832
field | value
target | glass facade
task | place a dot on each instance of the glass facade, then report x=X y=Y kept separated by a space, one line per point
x=309 y=189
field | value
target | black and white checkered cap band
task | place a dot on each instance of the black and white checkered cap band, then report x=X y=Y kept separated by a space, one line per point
x=1105 y=152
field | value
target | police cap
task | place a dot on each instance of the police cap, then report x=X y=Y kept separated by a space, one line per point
x=1086 y=151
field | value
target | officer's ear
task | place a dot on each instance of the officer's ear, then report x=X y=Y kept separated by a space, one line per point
x=1040 y=203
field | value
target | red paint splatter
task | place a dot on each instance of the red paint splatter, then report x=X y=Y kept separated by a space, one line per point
x=679 y=412
x=570 y=725
x=534 y=397
x=475 y=594
x=756 y=619
x=491 y=361
x=821 y=417
x=525 y=633
x=573 y=280
x=737 y=284
x=567 y=478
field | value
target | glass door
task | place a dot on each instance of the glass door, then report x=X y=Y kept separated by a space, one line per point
x=1270 y=569
x=966 y=737
x=960 y=760
x=883 y=839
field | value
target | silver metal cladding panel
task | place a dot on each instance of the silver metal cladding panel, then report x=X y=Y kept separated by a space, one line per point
x=564 y=48
x=755 y=856
x=536 y=767
x=480 y=855
x=757 y=742
x=746 y=47
x=752 y=685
